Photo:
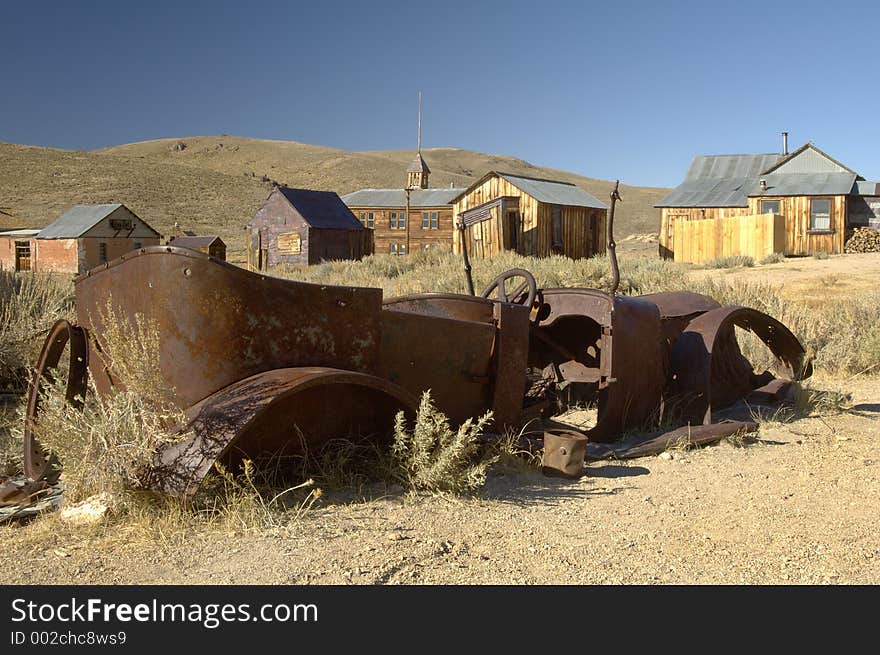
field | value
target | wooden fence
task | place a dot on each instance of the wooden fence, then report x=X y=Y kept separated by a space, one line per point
x=757 y=236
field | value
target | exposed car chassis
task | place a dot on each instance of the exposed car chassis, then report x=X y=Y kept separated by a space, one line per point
x=260 y=364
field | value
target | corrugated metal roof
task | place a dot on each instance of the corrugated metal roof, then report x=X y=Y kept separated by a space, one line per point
x=76 y=221
x=395 y=198
x=553 y=192
x=194 y=241
x=718 y=181
x=803 y=184
x=864 y=188
x=322 y=209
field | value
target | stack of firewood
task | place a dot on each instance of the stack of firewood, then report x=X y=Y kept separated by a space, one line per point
x=863 y=239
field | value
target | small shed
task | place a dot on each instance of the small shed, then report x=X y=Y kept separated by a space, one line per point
x=210 y=245
x=531 y=216
x=302 y=227
x=16 y=248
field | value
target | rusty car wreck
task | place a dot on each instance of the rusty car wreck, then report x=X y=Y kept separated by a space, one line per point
x=259 y=363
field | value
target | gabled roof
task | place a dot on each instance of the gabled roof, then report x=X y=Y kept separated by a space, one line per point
x=809 y=160
x=718 y=181
x=396 y=198
x=418 y=165
x=79 y=219
x=193 y=241
x=321 y=209
x=548 y=191
x=729 y=180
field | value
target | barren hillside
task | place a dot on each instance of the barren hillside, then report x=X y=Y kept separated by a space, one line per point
x=213 y=184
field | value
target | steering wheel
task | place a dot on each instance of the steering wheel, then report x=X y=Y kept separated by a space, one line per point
x=518 y=295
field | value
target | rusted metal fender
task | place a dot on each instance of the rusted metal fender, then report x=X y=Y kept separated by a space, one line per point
x=38 y=463
x=677 y=309
x=282 y=412
x=708 y=370
x=219 y=323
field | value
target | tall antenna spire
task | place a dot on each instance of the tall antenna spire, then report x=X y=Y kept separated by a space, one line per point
x=420 y=123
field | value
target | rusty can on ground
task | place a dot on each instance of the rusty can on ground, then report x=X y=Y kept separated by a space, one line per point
x=564 y=452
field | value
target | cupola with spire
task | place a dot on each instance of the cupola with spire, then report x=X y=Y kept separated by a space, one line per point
x=417 y=172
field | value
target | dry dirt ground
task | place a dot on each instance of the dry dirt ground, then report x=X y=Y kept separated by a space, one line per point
x=800 y=505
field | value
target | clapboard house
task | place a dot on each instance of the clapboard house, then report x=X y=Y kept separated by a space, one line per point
x=84 y=237
x=797 y=203
x=414 y=217
x=530 y=216
x=300 y=227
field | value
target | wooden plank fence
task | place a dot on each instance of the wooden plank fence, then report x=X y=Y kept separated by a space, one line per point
x=757 y=236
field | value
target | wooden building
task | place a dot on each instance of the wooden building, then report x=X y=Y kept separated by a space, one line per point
x=299 y=227
x=531 y=216
x=84 y=237
x=408 y=219
x=818 y=197
x=210 y=245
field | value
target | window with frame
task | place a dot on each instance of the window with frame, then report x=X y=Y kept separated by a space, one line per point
x=398 y=248
x=820 y=214
x=363 y=219
x=435 y=220
x=102 y=252
x=398 y=220
x=769 y=207
x=371 y=221
x=426 y=220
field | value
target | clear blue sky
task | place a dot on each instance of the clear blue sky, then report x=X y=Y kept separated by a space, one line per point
x=619 y=89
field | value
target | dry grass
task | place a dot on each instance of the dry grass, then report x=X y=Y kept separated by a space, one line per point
x=427 y=271
x=109 y=444
x=30 y=303
x=732 y=261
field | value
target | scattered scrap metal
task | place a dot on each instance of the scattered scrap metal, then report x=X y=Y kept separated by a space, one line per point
x=260 y=364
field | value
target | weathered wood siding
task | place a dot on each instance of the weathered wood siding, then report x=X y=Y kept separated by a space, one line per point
x=417 y=236
x=699 y=241
x=799 y=240
x=583 y=228
x=277 y=225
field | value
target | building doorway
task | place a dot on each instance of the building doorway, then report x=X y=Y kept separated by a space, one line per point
x=22 y=255
x=513 y=228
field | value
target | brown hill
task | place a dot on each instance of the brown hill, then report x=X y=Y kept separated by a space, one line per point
x=214 y=184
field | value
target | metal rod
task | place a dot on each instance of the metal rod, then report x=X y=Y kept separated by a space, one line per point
x=467 y=262
x=612 y=246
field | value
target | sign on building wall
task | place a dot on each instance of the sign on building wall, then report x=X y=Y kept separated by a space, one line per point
x=289 y=243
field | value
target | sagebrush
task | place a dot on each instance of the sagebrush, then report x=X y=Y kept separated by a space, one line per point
x=434 y=457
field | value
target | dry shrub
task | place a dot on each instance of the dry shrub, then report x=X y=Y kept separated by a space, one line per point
x=731 y=261
x=109 y=444
x=840 y=336
x=30 y=303
x=433 y=457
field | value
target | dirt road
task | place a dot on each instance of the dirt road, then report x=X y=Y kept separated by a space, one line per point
x=800 y=506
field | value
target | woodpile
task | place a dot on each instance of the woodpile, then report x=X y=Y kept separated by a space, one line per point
x=863 y=239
